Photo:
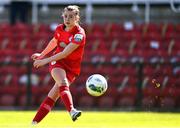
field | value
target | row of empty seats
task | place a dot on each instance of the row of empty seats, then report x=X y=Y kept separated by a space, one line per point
x=115 y=74
x=127 y=97
x=106 y=27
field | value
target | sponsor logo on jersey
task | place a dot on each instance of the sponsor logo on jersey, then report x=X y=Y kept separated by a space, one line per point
x=78 y=37
x=62 y=44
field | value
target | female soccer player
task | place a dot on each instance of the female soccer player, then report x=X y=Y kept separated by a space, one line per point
x=69 y=41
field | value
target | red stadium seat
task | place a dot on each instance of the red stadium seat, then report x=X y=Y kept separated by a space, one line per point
x=96 y=31
x=22 y=101
x=178 y=97
x=151 y=27
x=114 y=30
x=126 y=102
x=107 y=102
x=8 y=76
x=8 y=95
x=127 y=96
x=108 y=99
x=86 y=102
x=40 y=40
x=151 y=96
x=5 y=28
x=167 y=103
x=23 y=43
x=169 y=92
x=6 y=43
x=7 y=100
x=148 y=102
x=24 y=55
x=130 y=90
x=38 y=28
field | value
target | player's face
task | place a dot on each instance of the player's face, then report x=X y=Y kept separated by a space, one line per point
x=70 y=19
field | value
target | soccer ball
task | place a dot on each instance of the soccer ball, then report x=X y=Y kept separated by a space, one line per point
x=96 y=85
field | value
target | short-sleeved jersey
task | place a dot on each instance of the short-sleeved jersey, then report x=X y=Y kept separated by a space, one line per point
x=77 y=36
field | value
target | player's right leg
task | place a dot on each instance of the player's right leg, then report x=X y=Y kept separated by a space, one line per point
x=47 y=104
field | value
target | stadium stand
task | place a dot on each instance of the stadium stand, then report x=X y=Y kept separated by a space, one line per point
x=123 y=80
x=115 y=50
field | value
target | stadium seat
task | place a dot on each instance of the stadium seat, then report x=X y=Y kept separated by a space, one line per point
x=106 y=102
x=97 y=30
x=126 y=102
x=82 y=98
x=167 y=103
x=21 y=30
x=114 y=30
x=8 y=96
x=23 y=56
x=150 y=27
x=5 y=28
x=23 y=43
x=40 y=92
x=148 y=102
x=151 y=95
x=40 y=40
x=178 y=97
x=38 y=28
x=22 y=101
x=169 y=91
x=8 y=76
x=127 y=96
x=86 y=102
x=108 y=99
x=6 y=42
x=7 y=100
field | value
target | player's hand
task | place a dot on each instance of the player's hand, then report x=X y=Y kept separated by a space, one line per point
x=39 y=63
x=36 y=56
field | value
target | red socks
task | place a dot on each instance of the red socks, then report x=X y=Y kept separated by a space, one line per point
x=66 y=97
x=44 y=109
x=48 y=103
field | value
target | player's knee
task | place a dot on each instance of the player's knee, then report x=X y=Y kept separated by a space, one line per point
x=53 y=95
x=63 y=82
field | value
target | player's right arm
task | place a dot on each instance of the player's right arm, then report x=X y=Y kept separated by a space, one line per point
x=51 y=45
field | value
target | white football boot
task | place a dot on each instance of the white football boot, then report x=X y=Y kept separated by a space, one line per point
x=75 y=114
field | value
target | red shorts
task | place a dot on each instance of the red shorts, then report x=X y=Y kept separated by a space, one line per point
x=70 y=75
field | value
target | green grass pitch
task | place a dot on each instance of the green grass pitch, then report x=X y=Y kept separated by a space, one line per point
x=94 y=119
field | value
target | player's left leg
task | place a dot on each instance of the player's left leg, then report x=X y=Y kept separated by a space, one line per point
x=66 y=97
x=59 y=75
x=47 y=104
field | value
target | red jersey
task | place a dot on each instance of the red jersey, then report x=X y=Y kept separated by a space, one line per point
x=76 y=35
